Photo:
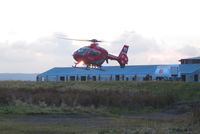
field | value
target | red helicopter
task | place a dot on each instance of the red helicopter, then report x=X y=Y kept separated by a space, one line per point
x=94 y=56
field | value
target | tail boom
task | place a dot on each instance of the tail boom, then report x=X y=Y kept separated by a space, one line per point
x=122 y=58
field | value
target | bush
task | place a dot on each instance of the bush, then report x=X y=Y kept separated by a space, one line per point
x=5 y=97
x=127 y=95
x=196 y=113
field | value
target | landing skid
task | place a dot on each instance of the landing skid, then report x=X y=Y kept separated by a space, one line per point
x=86 y=68
x=89 y=68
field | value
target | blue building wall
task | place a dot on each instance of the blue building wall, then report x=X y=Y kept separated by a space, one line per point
x=186 y=72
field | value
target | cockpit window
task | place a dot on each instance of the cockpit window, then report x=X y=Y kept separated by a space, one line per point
x=94 y=53
x=83 y=50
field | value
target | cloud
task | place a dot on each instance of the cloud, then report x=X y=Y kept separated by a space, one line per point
x=50 y=51
x=36 y=56
x=141 y=49
x=138 y=44
x=150 y=51
x=190 y=51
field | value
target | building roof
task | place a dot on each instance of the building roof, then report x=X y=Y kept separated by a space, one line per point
x=166 y=70
x=192 y=58
x=188 y=68
x=106 y=70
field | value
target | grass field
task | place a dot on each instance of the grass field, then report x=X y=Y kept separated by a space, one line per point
x=99 y=107
x=93 y=125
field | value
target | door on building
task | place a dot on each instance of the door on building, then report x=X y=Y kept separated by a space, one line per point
x=117 y=77
x=122 y=77
x=196 y=77
x=183 y=77
x=83 y=78
x=94 y=78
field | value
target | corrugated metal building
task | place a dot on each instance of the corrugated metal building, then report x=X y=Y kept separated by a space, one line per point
x=189 y=69
x=106 y=73
x=190 y=72
x=193 y=60
x=184 y=72
x=145 y=72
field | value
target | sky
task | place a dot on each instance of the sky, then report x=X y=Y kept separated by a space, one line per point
x=157 y=31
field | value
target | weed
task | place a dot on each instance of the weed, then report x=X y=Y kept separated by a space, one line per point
x=109 y=95
x=196 y=113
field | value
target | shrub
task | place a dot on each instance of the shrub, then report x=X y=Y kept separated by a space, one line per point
x=127 y=95
x=196 y=113
x=5 y=97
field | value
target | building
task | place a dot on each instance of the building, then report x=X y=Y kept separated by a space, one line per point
x=188 y=71
x=194 y=60
x=184 y=72
x=104 y=74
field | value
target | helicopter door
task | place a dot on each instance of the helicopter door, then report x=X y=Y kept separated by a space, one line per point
x=94 y=53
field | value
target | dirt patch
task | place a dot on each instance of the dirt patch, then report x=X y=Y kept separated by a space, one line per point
x=90 y=120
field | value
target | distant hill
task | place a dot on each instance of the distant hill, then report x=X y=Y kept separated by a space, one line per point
x=18 y=76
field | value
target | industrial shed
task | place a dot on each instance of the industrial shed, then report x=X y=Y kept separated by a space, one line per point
x=190 y=72
x=193 y=60
x=112 y=73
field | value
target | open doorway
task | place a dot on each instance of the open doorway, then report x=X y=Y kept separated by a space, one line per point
x=196 y=77
x=117 y=77
x=83 y=78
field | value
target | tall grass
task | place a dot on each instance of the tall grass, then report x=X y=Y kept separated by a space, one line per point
x=125 y=95
x=196 y=113
x=130 y=99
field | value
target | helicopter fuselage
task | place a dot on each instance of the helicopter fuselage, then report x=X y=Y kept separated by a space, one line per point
x=95 y=56
x=92 y=55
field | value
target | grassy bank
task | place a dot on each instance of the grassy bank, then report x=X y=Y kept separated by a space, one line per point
x=114 y=97
x=99 y=107
x=120 y=125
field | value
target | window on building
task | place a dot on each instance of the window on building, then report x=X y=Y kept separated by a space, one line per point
x=159 y=78
x=62 y=78
x=72 y=78
x=174 y=77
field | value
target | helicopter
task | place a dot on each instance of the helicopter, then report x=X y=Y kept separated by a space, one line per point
x=93 y=56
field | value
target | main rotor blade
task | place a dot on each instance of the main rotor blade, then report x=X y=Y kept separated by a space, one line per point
x=92 y=40
x=72 y=39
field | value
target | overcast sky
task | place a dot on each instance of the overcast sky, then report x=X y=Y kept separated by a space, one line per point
x=157 y=31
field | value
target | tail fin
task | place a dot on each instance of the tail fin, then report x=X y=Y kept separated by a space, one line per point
x=123 y=58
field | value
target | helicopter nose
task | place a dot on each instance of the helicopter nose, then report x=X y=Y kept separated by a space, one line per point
x=76 y=56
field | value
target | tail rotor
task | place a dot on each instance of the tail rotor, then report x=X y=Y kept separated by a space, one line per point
x=123 y=58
